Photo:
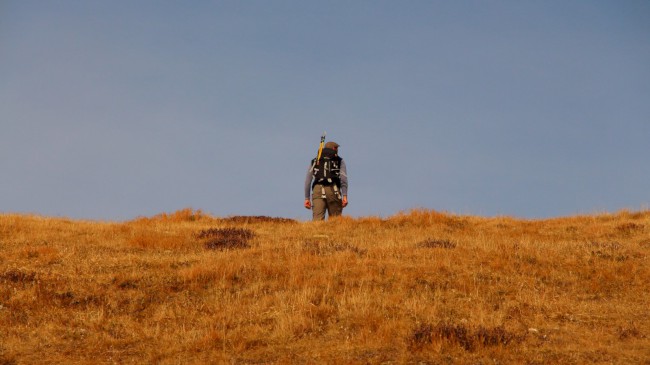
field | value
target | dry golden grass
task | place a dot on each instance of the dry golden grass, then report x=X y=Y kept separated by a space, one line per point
x=418 y=287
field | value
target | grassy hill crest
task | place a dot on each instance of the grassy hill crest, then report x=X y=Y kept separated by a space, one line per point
x=418 y=287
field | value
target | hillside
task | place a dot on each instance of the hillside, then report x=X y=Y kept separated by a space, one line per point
x=418 y=287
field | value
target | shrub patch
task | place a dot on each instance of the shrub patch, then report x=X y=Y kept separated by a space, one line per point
x=226 y=238
x=257 y=219
x=467 y=338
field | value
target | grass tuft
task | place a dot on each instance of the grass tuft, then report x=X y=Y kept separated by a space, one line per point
x=433 y=243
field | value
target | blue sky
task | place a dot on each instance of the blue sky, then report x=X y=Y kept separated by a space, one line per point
x=111 y=110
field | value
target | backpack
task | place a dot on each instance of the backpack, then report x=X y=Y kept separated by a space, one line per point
x=328 y=169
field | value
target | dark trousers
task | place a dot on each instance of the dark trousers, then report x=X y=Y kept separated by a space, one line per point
x=325 y=199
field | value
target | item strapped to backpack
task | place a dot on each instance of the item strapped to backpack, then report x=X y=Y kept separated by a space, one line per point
x=320 y=147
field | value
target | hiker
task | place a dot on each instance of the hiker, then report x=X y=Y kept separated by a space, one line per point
x=330 y=184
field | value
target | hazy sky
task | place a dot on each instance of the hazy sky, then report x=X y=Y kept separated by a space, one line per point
x=111 y=110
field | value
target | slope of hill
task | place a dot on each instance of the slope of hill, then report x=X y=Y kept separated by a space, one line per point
x=418 y=287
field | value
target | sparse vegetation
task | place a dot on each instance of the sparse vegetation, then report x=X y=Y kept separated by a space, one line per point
x=418 y=287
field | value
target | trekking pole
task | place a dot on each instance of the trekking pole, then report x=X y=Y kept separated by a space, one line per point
x=320 y=148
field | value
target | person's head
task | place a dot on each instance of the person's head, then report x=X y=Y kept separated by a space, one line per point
x=332 y=145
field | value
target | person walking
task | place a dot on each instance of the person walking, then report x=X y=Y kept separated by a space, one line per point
x=326 y=184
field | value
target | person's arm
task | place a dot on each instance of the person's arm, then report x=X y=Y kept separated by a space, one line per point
x=343 y=176
x=308 y=179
